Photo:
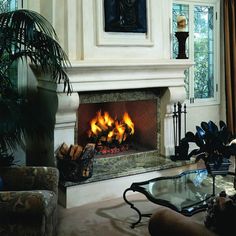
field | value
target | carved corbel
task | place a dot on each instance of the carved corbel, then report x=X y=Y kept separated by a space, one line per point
x=172 y=95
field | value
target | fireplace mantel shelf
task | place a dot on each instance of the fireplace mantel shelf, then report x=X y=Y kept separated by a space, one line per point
x=167 y=63
x=97 y=76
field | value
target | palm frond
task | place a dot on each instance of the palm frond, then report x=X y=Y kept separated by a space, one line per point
x=5 y=83
x=27 y=34
x=11 y=129
x=20 y=118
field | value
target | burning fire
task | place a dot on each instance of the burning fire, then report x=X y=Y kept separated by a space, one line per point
x=105 y=128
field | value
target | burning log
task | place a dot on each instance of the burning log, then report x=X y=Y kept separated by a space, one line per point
x=108 y=133
x=101 y=149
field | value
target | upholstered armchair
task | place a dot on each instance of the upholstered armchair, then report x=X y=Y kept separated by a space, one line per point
x=28 y=202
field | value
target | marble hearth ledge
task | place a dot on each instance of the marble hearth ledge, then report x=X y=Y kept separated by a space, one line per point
x=120 y=166
x=102 y=187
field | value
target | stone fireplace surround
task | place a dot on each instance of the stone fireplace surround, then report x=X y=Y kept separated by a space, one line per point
x=164 y=76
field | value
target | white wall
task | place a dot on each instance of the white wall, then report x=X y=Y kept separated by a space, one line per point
x=79 y=25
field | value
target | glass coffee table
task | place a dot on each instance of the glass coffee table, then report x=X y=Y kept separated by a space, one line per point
x=186 y=193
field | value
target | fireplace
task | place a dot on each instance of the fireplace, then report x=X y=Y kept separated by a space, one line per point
x=146 y=90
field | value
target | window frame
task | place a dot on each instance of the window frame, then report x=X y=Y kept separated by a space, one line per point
x=216 y=8
x=21 y=72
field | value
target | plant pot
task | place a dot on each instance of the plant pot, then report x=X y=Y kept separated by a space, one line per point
x=218 y=168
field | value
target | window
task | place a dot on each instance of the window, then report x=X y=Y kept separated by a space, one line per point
x=9 y=5
x=201 y=80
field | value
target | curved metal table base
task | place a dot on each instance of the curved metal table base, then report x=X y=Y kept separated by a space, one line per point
x=188 y=210
x=140 y=215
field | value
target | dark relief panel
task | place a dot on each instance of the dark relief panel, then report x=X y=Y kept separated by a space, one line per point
x=125 y=16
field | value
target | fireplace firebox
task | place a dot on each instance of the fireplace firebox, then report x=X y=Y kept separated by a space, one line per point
x=139 y=151
x=143 y=115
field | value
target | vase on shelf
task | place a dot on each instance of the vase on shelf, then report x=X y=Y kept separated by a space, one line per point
x=181 y=37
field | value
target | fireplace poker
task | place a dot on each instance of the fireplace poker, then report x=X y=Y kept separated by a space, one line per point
x=185 y=113
x=175 y=124
x=180 y=146
x=179 y=120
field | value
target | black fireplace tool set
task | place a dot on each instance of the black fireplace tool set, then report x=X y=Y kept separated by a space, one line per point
x=179 y=124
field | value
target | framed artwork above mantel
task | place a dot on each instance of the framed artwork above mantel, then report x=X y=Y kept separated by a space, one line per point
x=125 y=16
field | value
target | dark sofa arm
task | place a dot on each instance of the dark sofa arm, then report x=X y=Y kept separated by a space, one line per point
x=26 y=204
x=168 y=222
x=30 y=178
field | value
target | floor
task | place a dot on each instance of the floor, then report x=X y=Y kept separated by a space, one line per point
x=109 y=217
x=106 y=218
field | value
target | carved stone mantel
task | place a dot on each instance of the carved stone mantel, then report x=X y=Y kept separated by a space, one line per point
x=92 y=76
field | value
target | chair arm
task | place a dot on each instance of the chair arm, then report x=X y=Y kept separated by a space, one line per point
x=30 y=178
x=166 y=221
x=26 y=204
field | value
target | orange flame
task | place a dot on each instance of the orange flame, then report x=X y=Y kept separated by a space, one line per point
x=110 y=136
x=119 y=131
x=127 y=120
x=94 y=128
x=108 y=120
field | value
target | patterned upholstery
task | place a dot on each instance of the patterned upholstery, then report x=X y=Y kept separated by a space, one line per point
x=28 y=202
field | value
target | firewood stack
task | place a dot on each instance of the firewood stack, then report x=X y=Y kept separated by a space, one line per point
x=74 y=162
x=72 y=153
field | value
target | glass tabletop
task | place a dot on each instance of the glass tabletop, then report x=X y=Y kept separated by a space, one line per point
x=181 y=192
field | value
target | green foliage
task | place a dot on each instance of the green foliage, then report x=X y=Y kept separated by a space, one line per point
x=26 y=35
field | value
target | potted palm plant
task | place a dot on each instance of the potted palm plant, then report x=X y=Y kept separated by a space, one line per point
x=25 y=35
x=215 y=146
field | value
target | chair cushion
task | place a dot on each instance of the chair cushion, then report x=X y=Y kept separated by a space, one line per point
x=16 y=205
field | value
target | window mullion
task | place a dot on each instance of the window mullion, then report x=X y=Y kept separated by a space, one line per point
x=217 y=52
x=191 y=50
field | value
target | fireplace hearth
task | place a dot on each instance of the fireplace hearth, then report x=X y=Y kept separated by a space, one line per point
x=138 y=152
x=144 y=154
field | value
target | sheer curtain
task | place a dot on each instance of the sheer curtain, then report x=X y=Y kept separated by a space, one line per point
x=230 y=62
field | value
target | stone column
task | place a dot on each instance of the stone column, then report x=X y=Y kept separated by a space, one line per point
x=61 y=109
x=171 y=96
